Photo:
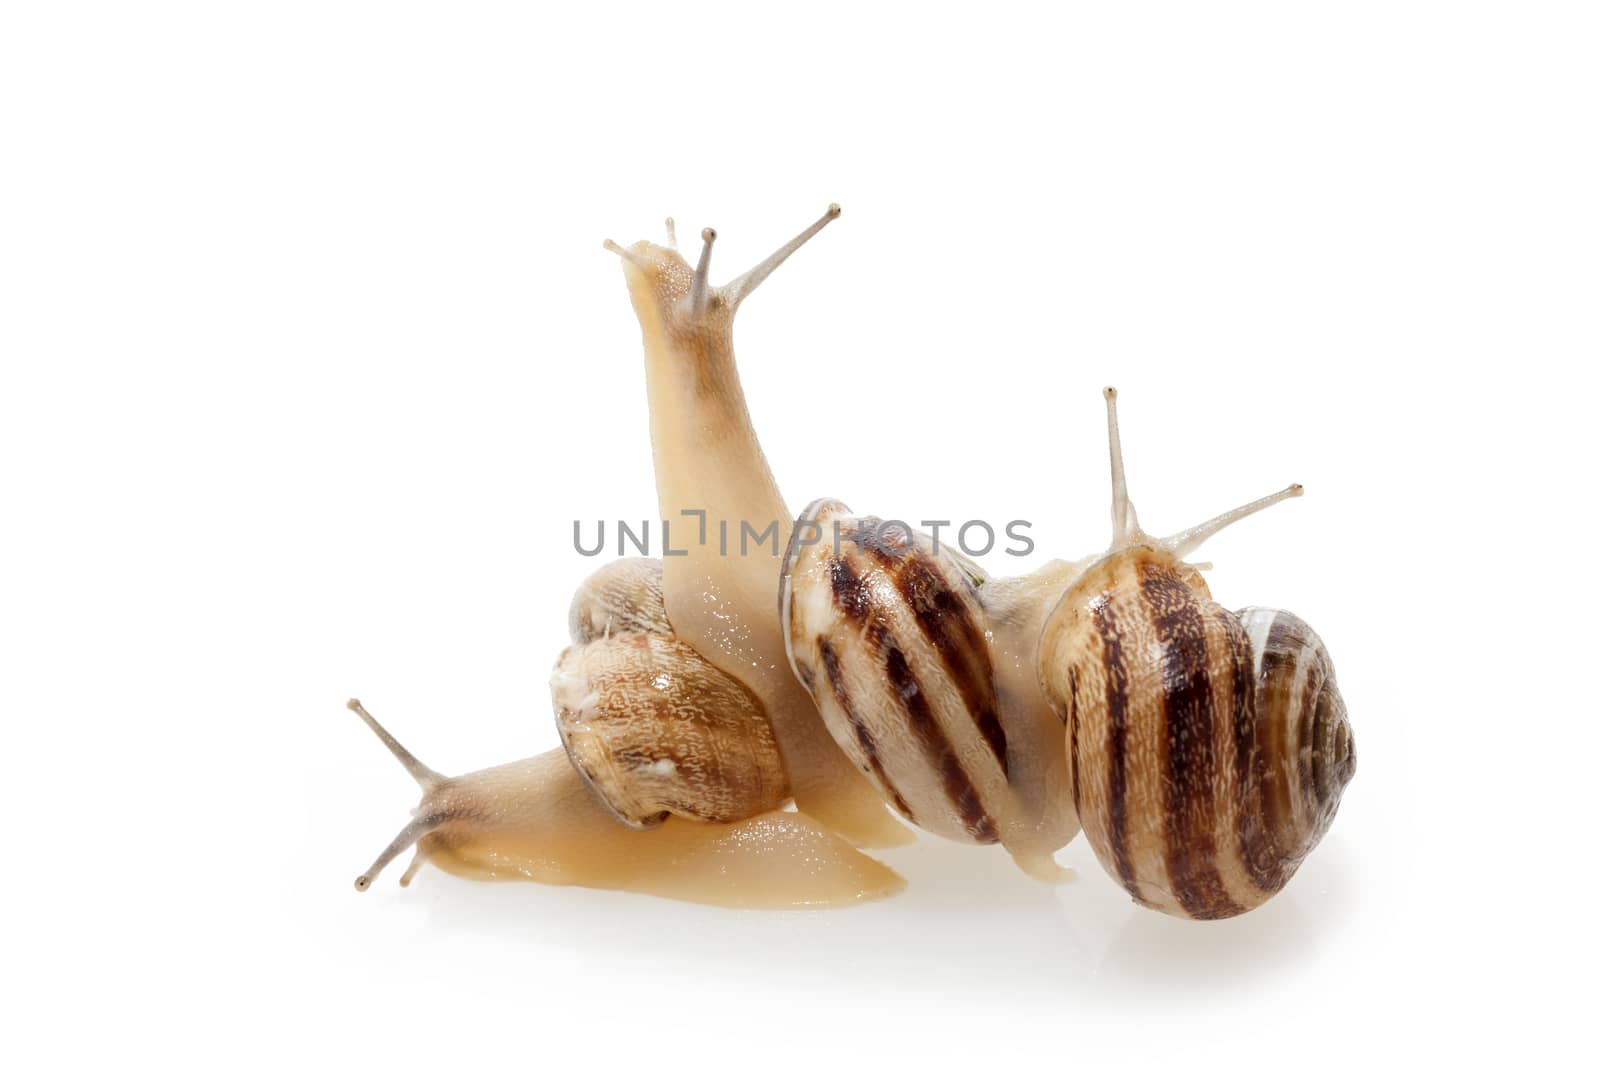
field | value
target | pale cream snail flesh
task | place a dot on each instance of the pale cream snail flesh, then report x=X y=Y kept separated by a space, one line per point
x=711 y=476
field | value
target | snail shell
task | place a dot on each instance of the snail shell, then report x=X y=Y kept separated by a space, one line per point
x=1208 y=749
x=886 y=633
x=650 y=724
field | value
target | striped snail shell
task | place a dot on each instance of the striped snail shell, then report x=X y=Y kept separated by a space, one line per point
x=887 y=632
x=1208 y=748
x=650 y=724
x=924 y=670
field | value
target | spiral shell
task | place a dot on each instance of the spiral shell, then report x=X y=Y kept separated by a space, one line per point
x=886 y=633
x=1208 y=749
x=1307 y=739
x=650 y=724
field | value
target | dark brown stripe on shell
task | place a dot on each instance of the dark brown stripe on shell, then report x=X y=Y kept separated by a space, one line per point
x=1106 y=622
x=950 y=628
x=958 y=787
x=849 y=592
x=864 y=738
x=1188 y=787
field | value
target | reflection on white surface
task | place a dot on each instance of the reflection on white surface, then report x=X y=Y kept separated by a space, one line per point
x=967 y=913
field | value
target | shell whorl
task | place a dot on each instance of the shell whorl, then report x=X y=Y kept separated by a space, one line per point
x=624 y=596
x=886 y=633
x=1208 y=748
x=1311 y=740
x=649 y=724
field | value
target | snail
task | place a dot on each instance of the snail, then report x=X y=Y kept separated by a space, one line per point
x=653 y=736
x=709 y=465
x=1208 y=748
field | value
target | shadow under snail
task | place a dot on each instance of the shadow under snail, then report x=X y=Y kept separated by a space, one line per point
x=1202 y=751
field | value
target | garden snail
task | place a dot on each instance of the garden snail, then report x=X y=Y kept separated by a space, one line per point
x=709 y=464
x=650 y=729
x=1204 y=751
x=1208 y=748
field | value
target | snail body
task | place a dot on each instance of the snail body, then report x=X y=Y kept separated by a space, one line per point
x=712 y=476
x=1208 y=748
x=537 y=820
x=669 y=780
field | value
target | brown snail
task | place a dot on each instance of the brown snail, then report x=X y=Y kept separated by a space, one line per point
x=709 y=466
x=1209 y=748
x=656 y=737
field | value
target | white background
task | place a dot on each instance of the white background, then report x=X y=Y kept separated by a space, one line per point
x=312 y=355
